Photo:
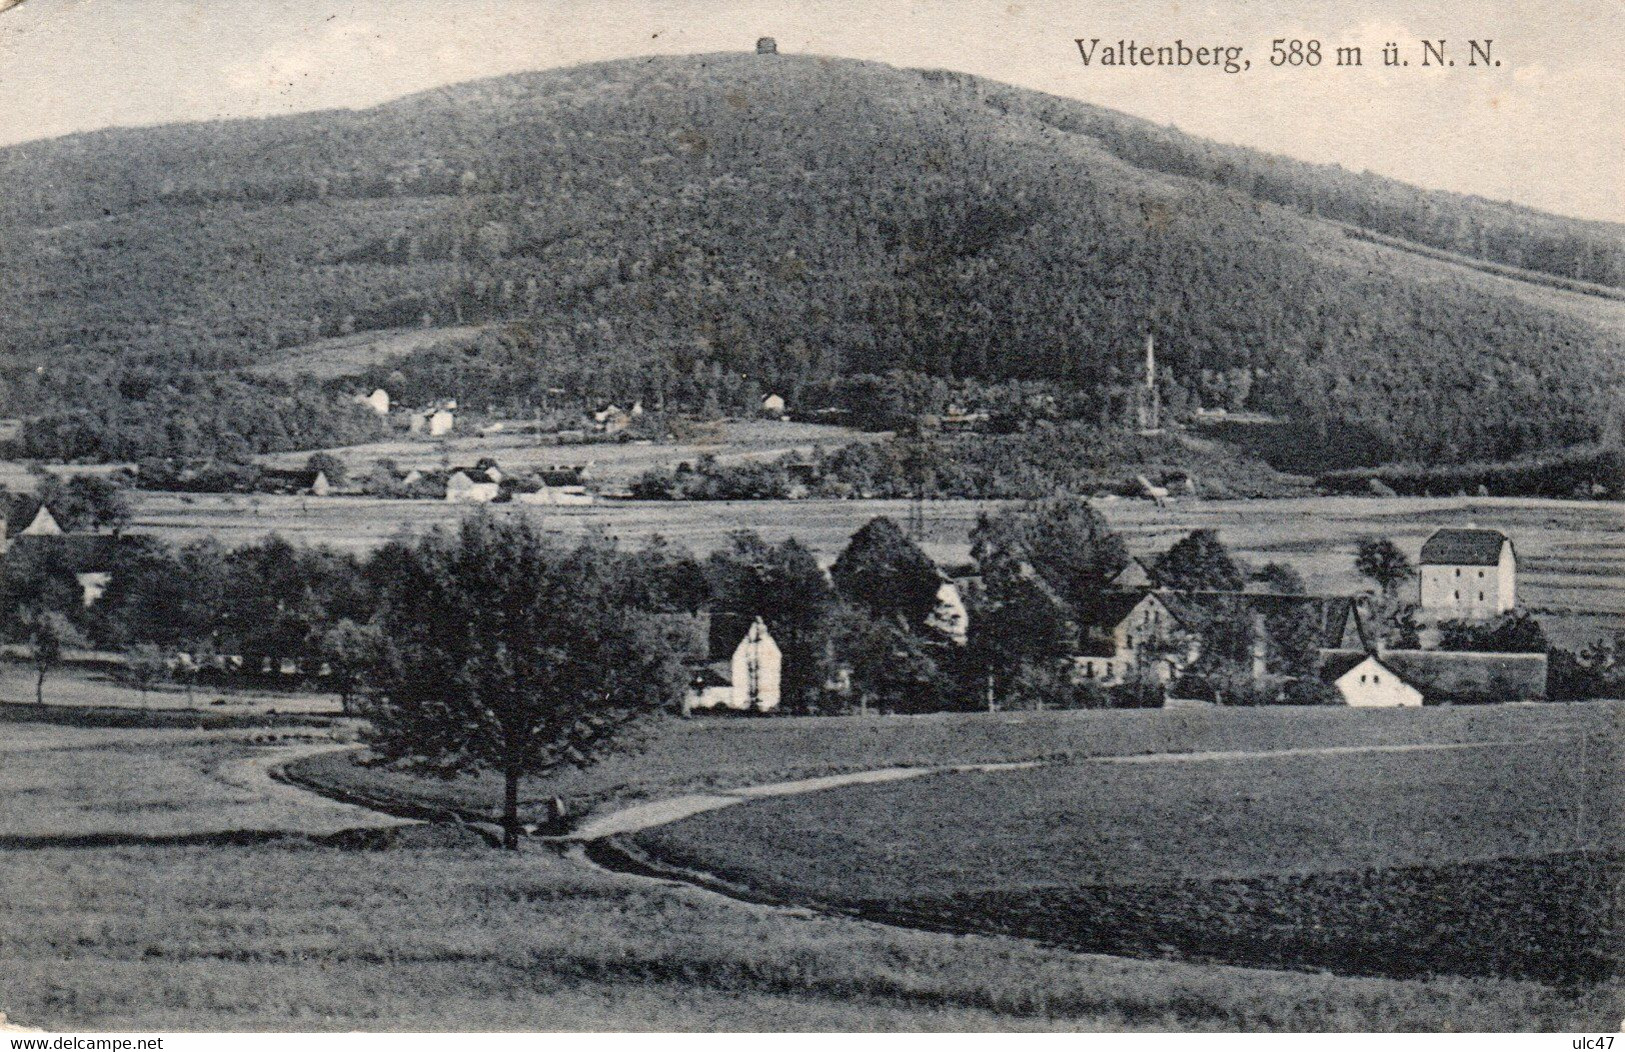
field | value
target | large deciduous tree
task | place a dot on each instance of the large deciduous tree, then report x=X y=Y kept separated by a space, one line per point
x=1380 y=560
x=513 y=654
x=1199 y=563
x=886 y=575
x=1063 y=540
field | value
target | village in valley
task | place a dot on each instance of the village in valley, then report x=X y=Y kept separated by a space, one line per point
x=1192 y=625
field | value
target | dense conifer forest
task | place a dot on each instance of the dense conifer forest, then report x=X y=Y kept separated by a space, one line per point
x=695 y=231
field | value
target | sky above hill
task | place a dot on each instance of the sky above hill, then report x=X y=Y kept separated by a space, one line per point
x=1544 y=129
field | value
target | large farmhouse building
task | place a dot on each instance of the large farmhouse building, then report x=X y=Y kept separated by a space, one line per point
x=1468 y=573
x=1122 y=632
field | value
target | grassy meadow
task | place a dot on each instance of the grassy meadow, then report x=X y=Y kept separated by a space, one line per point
x=125 y=908
x=300 y=937
x=1498 y=859
x=700 y=755
x=615 y=463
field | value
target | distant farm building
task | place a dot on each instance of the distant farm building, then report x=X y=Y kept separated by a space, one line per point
x=1123 y=631
x=773 y=406
x=463 y=489
x=612 y=419
x=295 y=481
x=1368 y=683
x=433 y=422
x=1163 y=632
x=539 y=492
x=747 y=680
x=378 y=401
x=1396 y=677
x=767 y=46
x=1468 y=573
x=42 y=524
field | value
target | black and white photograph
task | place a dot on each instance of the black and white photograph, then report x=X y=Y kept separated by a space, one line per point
x=862 y=516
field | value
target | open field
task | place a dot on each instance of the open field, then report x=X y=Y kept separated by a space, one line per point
x=82 y=687
x=1572 y=553
x=68 y=785
x=682 y=756
x=351 y=355
x=153 y=931
x=616 y=463
x=1401 y=862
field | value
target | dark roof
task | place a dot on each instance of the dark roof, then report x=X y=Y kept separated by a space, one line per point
x=1463 y=547
x=1452 y=675
x=1107 y=610
x=293 y=478
x=714 y=674
x=726 y=630
x=1330 y=612
x=1334 y=663
x=561 y=476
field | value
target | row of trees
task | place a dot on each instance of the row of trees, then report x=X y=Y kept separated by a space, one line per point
x=494 y=646
x=1070 y=457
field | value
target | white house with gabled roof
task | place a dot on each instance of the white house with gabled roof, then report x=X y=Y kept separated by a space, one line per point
x=1371 y=684
x=1468 y=573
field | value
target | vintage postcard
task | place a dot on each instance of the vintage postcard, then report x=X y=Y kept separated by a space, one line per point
x=534 y=516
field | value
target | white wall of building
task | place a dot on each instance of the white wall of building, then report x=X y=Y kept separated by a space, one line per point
x=1372 y=685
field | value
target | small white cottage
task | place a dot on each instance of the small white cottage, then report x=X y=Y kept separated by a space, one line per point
x=747 y=682
x=460 y=489
x=1372 y=684
x=378 y=401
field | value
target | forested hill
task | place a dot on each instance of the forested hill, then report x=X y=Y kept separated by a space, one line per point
x=669 y=225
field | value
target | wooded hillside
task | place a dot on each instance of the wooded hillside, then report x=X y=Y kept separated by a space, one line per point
x=715 y=226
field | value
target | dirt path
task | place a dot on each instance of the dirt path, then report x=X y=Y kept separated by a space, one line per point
x=318 y=814
x=1321 y=750
x=639 y=817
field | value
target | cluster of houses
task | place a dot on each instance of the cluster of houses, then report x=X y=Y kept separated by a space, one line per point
x=434 y=421
x=736 y=664
x=440 y=418
x=1136 y=627
x=558 y=485
x=1464 y=575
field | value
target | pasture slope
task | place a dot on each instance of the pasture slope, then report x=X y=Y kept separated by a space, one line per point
x=291 y=931
x=1395 y=860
